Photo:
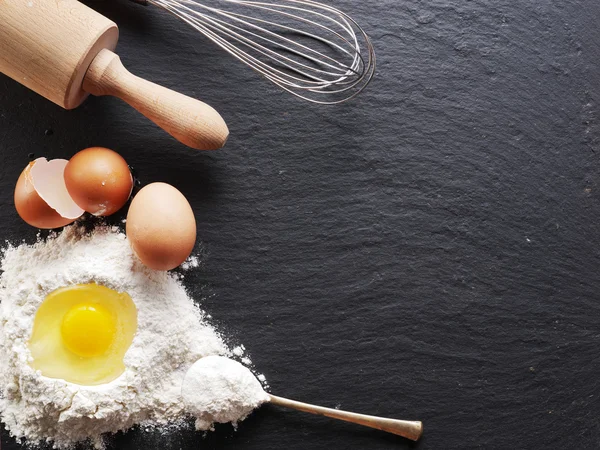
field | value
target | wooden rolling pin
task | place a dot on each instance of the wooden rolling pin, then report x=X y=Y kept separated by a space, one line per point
x=63 y=50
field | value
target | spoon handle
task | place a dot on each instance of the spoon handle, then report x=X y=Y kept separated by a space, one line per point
x=408 y=429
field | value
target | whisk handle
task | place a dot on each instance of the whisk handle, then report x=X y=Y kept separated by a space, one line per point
x=188 y=120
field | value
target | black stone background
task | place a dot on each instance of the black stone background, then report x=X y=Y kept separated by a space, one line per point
x=427 y=251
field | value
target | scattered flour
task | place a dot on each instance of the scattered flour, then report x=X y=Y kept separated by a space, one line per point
x=192 y=262
x=172 y=334
x=219 y=389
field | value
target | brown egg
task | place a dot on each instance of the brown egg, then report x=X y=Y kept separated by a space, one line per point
x=161 y=226
x=98 y=180
x=31 y=207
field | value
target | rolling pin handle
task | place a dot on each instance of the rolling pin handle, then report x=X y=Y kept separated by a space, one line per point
x=188 y=120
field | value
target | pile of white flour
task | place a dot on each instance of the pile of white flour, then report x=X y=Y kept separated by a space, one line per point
x=172 y=334
x=207 y=391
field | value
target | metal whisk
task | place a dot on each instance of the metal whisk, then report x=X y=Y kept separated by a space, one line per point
x=312 y=50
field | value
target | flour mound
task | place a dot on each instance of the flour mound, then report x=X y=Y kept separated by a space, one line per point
x=172 y=334
x=219 y=389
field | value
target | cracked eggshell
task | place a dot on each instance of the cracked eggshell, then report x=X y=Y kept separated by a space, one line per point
x=40 y=195
x=49 y=181
x=99 y=180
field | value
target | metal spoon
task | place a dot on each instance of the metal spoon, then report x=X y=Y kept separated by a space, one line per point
x=227 y=382
x=405 y=428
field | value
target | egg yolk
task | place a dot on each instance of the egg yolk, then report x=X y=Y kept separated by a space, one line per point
x=81 y=334
x=88 y=330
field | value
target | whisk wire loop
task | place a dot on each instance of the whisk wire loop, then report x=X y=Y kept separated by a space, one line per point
x=314 y=51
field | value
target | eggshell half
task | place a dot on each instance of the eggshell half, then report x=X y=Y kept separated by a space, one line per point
x=49 y=181
x=32 y=208
x=99 y=180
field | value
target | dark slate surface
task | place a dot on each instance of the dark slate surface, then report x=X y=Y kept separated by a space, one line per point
x=428 y=251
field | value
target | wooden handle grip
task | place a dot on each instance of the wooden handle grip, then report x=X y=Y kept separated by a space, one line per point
x=408 y=429
x=190 y=121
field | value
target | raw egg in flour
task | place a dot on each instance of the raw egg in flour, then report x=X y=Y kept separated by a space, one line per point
x=81 y=334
